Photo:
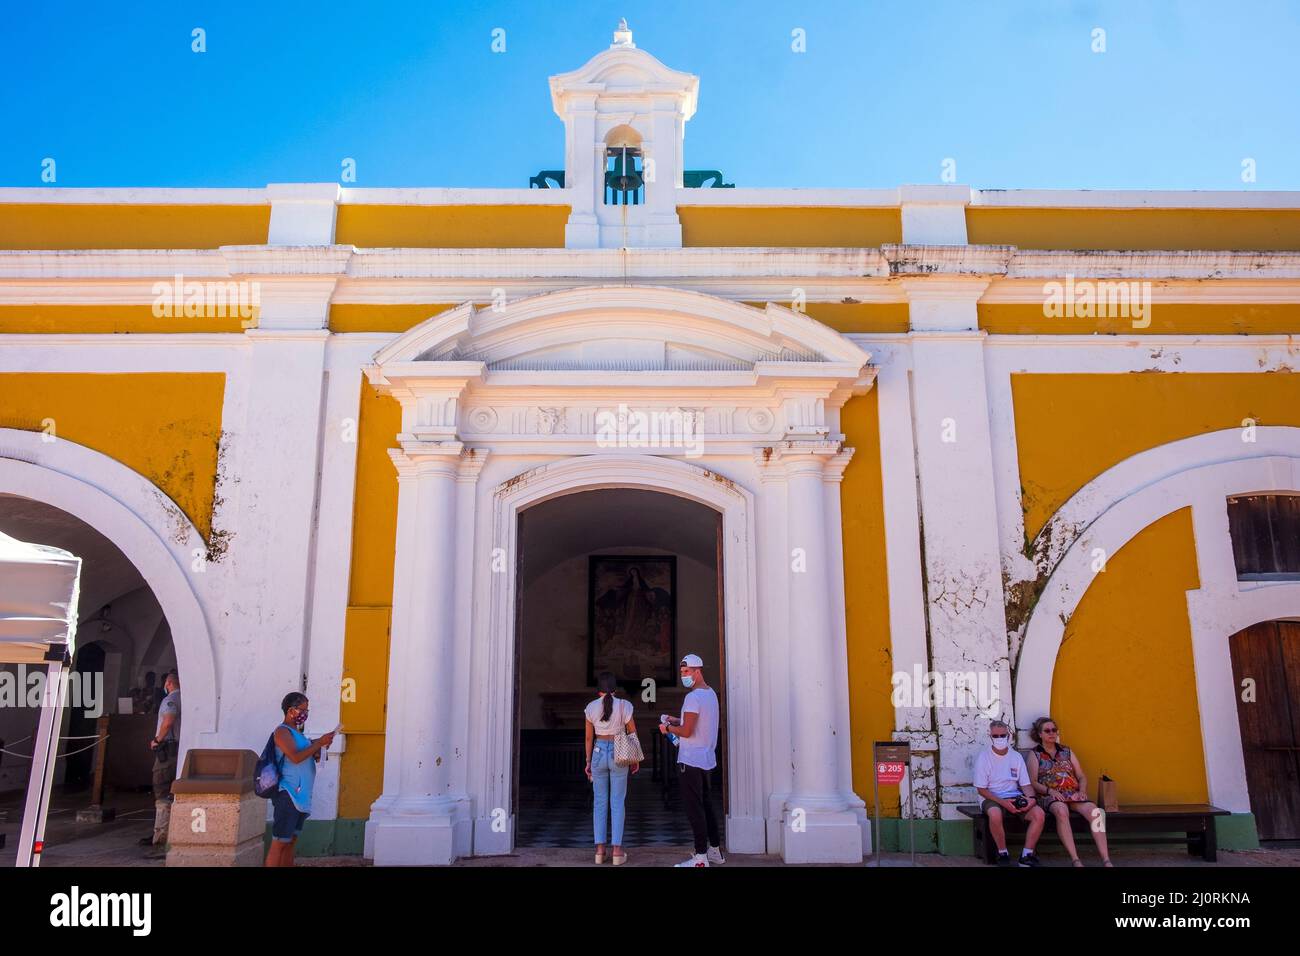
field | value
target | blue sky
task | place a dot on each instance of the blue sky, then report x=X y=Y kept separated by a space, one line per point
x=884 y=93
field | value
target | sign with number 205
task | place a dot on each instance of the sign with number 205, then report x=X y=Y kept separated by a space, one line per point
x=889 y=772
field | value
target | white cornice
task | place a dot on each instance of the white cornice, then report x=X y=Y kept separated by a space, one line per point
x=616 y=263
x=126 y=276
x=287 y=260
x=131 y=196
x=1136 y=199
x=1171 y=264
x=439 y=196
x=919 y=260
x=797 y=197
x=455 y=196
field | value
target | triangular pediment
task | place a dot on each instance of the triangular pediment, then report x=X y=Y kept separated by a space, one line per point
x=625 y=329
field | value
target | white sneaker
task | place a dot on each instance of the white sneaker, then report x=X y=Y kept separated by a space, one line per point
x=698 y=859
x=715 y=856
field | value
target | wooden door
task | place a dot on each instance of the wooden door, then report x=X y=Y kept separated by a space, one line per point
x=1268 y=655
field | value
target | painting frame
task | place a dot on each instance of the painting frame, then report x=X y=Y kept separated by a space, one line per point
x=660 y=666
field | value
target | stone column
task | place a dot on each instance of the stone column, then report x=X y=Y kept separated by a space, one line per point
x=820 y=825
x=417 y=824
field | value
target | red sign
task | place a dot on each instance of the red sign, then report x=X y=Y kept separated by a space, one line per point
x=890 y=772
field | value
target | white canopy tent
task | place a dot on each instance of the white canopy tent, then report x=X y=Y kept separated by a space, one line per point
x=39 y=589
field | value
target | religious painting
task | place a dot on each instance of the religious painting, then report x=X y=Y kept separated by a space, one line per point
x=632 y=618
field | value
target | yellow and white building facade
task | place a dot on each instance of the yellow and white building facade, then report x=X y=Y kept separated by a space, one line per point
x=942 y=432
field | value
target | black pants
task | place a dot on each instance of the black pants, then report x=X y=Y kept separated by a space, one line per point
x=694 y=787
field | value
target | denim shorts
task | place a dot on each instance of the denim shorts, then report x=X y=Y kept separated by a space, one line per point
x=288 y=819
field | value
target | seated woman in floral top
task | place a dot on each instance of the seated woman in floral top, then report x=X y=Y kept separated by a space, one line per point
x=1061 y=786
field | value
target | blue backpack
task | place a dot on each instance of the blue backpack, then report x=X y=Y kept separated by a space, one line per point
x=266 y=775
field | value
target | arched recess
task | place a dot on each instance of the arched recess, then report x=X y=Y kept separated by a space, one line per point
x=146 y=525
x=1111 y=510
x=745 y=820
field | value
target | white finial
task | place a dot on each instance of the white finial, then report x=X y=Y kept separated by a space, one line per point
x=622 y=36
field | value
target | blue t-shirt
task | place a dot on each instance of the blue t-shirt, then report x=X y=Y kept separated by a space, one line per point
x=296 y=779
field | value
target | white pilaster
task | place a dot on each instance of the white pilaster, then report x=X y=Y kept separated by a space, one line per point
x=426 y=821
x=821 y=827
x=965 y=603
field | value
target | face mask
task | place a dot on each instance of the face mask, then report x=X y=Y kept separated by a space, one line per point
x=300 y=718
x=1000 y=743
x=688 y=681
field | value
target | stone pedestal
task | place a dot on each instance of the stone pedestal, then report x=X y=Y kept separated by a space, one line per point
x=217 y=819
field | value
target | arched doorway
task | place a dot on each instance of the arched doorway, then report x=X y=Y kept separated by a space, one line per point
x=624 y=580
x=122 y=634
x=1266 y=672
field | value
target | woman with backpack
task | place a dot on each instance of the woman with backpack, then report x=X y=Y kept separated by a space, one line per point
x=608 y=718
x=297 y=757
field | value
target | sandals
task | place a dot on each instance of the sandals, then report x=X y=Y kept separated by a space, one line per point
x=600 y=856
x=619 y=860
x=1076 y=862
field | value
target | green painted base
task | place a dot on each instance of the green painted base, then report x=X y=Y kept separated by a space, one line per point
x=896 y=835
x=1237 y=832
x=328 y=838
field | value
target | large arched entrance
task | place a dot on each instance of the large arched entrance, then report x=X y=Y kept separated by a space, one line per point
x=625 y=581
x=617 y=388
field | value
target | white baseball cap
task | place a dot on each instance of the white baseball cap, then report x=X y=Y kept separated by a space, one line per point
x=692 y=660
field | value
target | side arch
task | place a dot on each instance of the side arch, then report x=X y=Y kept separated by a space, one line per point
x=1111 y=510
x=153 y=533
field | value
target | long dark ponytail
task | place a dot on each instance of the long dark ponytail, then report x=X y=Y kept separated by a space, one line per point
x=607 y=685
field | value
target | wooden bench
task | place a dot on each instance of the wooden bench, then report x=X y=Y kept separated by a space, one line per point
x=1195 y=820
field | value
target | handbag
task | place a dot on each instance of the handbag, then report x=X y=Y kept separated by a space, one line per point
x=627 y=748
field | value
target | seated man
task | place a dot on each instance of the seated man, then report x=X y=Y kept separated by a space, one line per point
x=1002 y=779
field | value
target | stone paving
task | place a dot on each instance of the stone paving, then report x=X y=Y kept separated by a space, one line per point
x=115 y=843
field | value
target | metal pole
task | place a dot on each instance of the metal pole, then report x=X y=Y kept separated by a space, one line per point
x=875 y=791
x=41 y=781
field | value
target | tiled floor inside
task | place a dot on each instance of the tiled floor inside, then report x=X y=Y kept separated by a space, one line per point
x=559 y=815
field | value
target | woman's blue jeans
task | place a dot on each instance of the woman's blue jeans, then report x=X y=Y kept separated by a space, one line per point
x=610 y=784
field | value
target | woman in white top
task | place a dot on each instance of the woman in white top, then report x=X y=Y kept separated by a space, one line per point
x=606 y=716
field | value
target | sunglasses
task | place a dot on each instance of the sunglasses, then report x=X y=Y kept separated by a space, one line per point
x=1048 y=730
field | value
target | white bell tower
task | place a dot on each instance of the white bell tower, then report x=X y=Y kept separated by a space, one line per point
x=624 y=112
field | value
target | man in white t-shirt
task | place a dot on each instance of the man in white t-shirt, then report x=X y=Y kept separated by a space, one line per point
x=1002 y=779
x=697 y=741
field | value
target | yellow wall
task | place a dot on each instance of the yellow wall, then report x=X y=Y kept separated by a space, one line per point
x=357 y=317
x=1071 y=428
x=370 y=599
x=164 y=426
x=855 y=316
x=100 y=319
x=1250 y=229
x=866 y=595
x=120 y=226
x=1174 y=318
x=788 y=226
x=452 y=227
x=1124 y=690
